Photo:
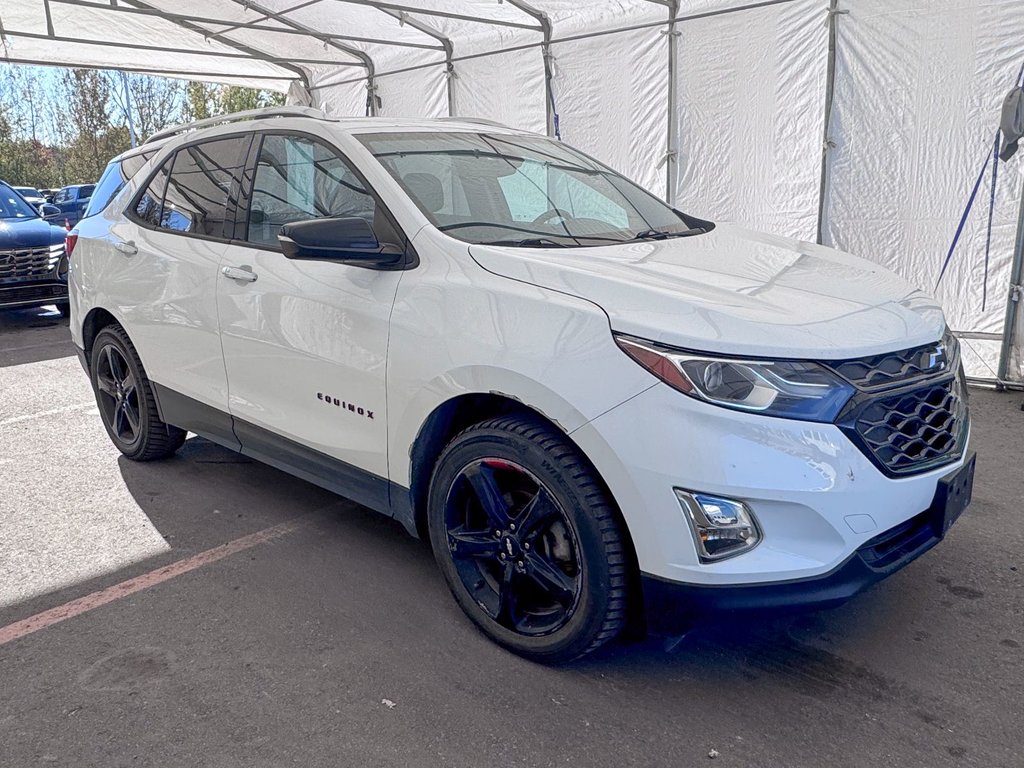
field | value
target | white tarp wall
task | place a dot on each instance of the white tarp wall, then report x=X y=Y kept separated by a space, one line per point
x=722 y=111
x=918 y=93
x=751 y=115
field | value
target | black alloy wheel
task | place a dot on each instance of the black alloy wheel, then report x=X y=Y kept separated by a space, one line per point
x=125 y=399
x=528 y=539
x=512 y=546
x=117 y=395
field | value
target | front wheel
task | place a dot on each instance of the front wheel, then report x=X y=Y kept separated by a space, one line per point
x=126 y=402
x=528 y=539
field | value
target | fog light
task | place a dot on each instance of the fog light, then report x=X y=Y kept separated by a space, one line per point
x=721 y=527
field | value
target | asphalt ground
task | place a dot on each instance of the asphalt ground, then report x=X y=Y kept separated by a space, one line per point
x=332 y=641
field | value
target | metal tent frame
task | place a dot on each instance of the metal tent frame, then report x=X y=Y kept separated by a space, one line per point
x=240 y=33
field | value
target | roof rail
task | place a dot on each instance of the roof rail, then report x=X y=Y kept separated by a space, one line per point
x=477 y=120
x=235 y=117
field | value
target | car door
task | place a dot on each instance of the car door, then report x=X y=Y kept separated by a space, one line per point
x=305 y=342
x=60 y=199
x=166 y=254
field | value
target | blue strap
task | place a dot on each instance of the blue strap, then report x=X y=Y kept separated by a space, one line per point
x=963 y=219
x=555 y=119
x=991 y=211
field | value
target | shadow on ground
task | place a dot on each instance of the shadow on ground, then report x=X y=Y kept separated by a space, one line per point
x=32 y=335
x=338 y=644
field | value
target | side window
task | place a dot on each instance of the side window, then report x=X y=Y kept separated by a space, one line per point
x=147 y=209
x=117 y=174
x=60 y=196
x=299 y=179
x=200 y=183
x=110 y=184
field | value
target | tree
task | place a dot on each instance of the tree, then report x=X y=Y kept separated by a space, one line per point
x=235 y=98
x=62 y=126
x=86 y=94
x=153 y=102
x=200 y=101
x=24 y=159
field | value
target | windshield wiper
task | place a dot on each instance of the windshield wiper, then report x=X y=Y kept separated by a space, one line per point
x=529 y=242
x=657 y=234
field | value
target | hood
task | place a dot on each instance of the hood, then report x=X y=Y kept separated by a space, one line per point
x=29 y=233
x=735 y=291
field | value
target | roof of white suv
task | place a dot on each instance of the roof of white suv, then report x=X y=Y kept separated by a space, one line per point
x=353 y=124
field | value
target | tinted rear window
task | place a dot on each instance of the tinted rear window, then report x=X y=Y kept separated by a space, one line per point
x=201 y=180
x=117 y=174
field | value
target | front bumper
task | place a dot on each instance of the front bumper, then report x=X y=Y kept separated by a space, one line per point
x=817 y=497
x=32 y=294
x=671 y=608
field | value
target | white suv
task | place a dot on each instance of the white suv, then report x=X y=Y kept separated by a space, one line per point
x=601 y=412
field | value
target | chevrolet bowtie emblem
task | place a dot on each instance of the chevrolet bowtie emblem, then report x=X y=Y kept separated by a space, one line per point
x=935 y=358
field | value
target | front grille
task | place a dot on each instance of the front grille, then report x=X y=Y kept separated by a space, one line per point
x=28 y=263
x=912 y=431
x=894 y=368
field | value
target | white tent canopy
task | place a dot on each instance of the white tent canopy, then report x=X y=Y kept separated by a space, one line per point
x=859 y=123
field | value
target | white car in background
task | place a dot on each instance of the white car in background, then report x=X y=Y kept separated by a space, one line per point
x=601 y=412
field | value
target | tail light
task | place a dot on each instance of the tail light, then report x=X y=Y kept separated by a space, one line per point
x=69 y=243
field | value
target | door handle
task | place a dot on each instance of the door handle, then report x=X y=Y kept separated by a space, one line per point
x=128 y=249
x=244 y=274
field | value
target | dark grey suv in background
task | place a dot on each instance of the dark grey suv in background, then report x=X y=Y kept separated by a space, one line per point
x=33 y=265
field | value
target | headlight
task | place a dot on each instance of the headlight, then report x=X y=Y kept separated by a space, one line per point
x=791 y=389
x=56 y=251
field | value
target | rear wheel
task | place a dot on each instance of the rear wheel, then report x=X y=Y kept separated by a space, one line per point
x=528 y=539
x=126 y=402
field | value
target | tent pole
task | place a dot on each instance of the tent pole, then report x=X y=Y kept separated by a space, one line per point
x=672 y=142
x=549 y=76
x=446 y=43
x=830 y=88
x=253 y=52
x=384 y=6
x=224 y=26
x=1014 y=300
x=545 y=51
x=363 y=57
x=128 y=109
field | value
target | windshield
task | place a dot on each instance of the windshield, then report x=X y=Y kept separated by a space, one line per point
x=28 y=191
x=13 y=206
x=526 y=191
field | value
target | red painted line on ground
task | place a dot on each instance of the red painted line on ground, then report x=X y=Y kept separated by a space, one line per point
x=95 y=600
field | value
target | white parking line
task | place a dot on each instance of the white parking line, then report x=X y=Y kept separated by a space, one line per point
x=42 y=414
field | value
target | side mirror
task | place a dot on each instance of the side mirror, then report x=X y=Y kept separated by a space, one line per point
x=1012 y=122
x=49 y=211
x=347 y=240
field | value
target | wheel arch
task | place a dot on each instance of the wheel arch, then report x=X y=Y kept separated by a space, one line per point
x=458 y=413
x=95 y=321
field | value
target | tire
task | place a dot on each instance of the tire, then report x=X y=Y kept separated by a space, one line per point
x=548 y=580
x=64 y=308
x=125 y=399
